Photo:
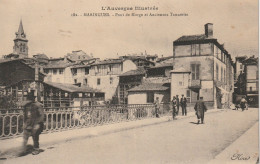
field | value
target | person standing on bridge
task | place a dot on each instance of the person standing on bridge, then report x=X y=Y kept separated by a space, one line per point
x=200 y=109
x=177 y=105
x=33 y=122
x=174 y=104
x=184 y=105
x=157 y=106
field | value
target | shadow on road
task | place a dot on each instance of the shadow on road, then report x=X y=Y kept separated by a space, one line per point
x=29 y=150
x=194 y=123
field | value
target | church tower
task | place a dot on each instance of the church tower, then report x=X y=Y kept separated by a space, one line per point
x=20 y=43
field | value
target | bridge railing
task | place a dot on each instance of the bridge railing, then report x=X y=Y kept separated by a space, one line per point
x=65 y=118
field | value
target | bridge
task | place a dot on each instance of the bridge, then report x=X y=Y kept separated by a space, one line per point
x=134 y=135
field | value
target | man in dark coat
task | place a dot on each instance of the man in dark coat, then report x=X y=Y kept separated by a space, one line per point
x=200 y=109
x=184 y=105
x=174 y=103
x=157 y=106
x=177 y=104
x=33 y=122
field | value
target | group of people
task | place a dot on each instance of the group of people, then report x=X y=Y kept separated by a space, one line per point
x=200 y=107
x=242 y=104
x=176 y=103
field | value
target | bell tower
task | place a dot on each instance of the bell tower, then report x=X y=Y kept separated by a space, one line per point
x=20 y=43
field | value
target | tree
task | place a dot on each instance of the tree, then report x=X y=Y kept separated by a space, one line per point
x=7 y=102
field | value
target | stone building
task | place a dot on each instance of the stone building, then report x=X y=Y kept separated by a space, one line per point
x=18 y=79
x=239 y=67
x=210 y=66
x=104 y=76
x=252 y=80
x=129 y=80
x=155 y=83
x=58 y=70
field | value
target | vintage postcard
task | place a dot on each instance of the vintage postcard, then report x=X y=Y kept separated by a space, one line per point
x=129 y=81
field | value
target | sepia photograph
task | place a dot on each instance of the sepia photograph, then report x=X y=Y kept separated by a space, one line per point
x=129 y=82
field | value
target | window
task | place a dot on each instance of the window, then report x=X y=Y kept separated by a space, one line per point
x=111 y=80
x=195 y=49
x=224 y=76
x=85 y=81
x=86 y=71
x=61 y=71
x=150 y=97
x=188 y=93
x=217 y=52
x=195 y=71
x=74 y=71
x=241 y=66
x=46 y=71
x=221 y=56
x=75 y=81
x=98 y=81
x=221 y=74
x=98 y=68
x=109 y=68
x=54 y=71
x=217 y=72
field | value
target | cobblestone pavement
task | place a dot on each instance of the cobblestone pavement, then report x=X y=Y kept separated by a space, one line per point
x=178 y=141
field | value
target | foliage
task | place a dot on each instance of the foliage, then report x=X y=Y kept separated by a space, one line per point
x=7 y=102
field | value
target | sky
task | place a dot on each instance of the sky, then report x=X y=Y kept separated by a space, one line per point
x=52 y=30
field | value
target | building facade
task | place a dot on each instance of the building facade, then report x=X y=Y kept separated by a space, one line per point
x=210 y=65
x=104 y=76
x=252 y=82
x=58 y=70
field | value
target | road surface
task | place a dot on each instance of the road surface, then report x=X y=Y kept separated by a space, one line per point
x=178 y=141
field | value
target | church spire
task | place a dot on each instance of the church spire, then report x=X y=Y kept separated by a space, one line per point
x=20 y=42
x=20 y=34
x=20 y=30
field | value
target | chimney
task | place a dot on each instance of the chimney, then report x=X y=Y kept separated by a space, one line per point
x=36 y=75
x=209 y=30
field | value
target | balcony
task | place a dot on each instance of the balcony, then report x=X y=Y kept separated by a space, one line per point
x=252 y=90
x=194 y=84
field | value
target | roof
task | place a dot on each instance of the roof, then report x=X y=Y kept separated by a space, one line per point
x=162 y=65
x=158 y=80
x=180 y=70
x=164 y=58
x=149 y=87
x=59 y=63
x=108 y=61
x=192 y=38
x=41 y=56
x=251 y=61
x=81 y=66
x=71 y=88
x=10 y=60
x=138 y=71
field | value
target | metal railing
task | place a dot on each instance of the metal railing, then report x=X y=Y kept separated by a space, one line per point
x=65 y=118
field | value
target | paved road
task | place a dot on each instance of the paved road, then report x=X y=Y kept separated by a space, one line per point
x=178 y=141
